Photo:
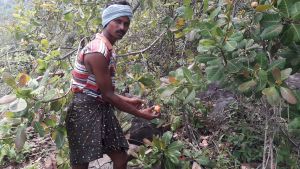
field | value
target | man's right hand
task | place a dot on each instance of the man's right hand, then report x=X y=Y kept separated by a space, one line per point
x=149 y=113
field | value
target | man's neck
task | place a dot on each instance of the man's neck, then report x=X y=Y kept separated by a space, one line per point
x=109 y=37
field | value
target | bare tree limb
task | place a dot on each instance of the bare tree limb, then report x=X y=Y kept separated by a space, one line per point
x=144 y=50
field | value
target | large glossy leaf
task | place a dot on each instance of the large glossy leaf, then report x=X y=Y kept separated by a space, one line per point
x=271 y=32
x=272 y=95
x=285 y=7
x=247 y=85
x=20 y=137
x=288 y=95
x=270 y=19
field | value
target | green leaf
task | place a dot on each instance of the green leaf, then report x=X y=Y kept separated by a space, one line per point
x=20 y=137
x=233 y=66
x=45 y=43
x=280 y=63
x=167 y=136
x=271 y=32
x=287 y=36
x=237 y=36
x=205 y=58
x=175 y=122
x=18 y=105
x=42 y=66
x=262 y=80
x=295 y=28
x=285 y=8
x=176 y=145
x=50 y=95
x=288 y=95
x=57 y=105
x=183 y=94
x=59 y=136
x=68 y=17
x=9 y=80
x=168 y=91
x=203 y=160
x=215 y=13
x=190 y=97
x=188 y=12
x=147 y=80
x=187 y=74
x=215 y=73
x=262 y=60
x=247 y=85
x=295 y=11
x=207 y=42
x=270 y=20
x=230 y=45
x=38 y=128
x=285 y=73
x=272 y=95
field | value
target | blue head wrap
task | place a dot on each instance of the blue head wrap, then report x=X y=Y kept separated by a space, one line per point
x=114 y=11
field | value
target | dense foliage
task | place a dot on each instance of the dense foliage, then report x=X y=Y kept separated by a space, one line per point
x=219 y=69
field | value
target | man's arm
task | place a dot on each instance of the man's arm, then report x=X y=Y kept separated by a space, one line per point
x=98 y=65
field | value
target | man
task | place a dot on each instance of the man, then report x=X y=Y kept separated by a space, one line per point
x=92 y=128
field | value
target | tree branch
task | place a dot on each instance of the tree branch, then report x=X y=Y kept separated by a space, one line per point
x=144 y=50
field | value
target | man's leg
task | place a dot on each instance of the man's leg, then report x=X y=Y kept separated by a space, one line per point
x=81 y=166
x=119 y=159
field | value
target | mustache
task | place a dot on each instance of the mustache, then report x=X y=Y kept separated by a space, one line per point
x=121 y=32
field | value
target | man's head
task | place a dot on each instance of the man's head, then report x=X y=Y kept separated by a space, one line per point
x=116 y=19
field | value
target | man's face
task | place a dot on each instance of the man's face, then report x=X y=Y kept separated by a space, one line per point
x=118 y=27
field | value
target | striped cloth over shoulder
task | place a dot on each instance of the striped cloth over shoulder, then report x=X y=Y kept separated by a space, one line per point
x=85 y=82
